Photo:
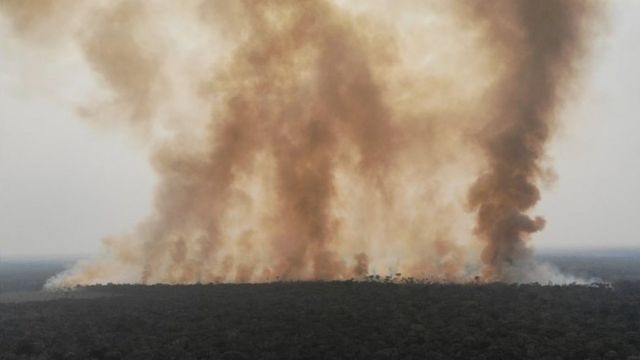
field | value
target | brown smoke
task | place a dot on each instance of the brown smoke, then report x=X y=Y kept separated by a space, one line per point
x=538 y=43
x=312 y=140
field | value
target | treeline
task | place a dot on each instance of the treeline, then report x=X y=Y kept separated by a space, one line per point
x=329 y=320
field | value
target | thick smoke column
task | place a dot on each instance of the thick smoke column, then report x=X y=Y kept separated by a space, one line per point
x=539 y=43
x=312 y=140
x=282 y=100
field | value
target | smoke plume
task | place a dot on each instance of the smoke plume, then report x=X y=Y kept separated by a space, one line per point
x=323 y=140
x=539 y=42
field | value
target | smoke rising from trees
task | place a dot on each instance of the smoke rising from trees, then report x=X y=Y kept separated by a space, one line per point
x=324 y=140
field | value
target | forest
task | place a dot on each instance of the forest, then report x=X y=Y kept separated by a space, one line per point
x=329 y=320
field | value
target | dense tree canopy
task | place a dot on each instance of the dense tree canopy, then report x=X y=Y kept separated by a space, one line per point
x=335 y=320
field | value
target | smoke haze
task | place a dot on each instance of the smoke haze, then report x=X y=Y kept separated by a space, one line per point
x=324 y=140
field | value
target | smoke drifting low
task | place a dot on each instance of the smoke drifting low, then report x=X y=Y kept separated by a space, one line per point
x=322 y=140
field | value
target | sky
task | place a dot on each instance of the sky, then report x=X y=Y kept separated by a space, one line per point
x=595 y=201
x=65 y=184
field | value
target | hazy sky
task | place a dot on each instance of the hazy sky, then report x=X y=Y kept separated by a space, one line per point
x=65 y=184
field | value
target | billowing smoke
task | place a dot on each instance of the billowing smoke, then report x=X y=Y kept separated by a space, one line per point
x=539 y=43
x=323 y=140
